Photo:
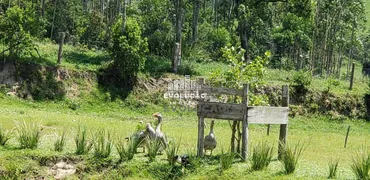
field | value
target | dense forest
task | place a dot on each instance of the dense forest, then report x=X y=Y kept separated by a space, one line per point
x=318 y=36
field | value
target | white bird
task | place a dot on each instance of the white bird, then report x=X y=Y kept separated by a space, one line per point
x=210 y=142
x=150 y=131
x=158 y=133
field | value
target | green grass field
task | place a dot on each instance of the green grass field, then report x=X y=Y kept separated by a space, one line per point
x=325 y=138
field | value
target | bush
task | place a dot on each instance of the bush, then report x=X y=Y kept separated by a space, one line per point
x=83 y=146
x=28 y=135
x=60 y=143
x=226 y=160
x=261 y=156
x=103 y=144
x=361 y=165
x=300 y=83
x=126 y=153
x=290 y=156
x=333 y=166
x=153 y=148
x=171 y=152
x=128 y=51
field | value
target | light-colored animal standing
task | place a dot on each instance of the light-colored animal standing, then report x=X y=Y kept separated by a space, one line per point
x=210 y=142
x=158 y=133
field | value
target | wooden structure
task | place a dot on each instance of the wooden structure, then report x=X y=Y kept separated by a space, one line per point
x=241 y=112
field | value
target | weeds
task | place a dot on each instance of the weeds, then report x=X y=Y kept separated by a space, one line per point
x=129 y=152
x=226 y=160
x=361 y=165
x=290 y=156
x=28 y=135
x=333 y=166
x=60 y=143
x=153 y=148
x=171 y=152
x=4 y=136
x=261 y=156
x=103 y=144
x=83 y=146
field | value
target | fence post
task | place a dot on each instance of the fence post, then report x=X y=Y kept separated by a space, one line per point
x=61 y=42
x=200 y=124
x=283 y=127
x=245 y=123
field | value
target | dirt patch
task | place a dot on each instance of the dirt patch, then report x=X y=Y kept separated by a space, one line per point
x=62 y=169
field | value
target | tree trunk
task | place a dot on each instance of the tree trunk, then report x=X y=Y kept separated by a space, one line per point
x=52 y=25
x=195 y=20
x=124 y=16
x=178 y=28
x=60 y=52
x=42 y=8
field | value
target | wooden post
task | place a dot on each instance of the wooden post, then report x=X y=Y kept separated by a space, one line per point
x=245 y=123
x=268 y=129
x=200 y=125
x=352 y=76
x=345 y=141
x=61 y=42
x=283 y=127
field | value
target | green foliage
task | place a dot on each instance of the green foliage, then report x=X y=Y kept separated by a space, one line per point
x=103 y=144
x=28 y=135
x=4 y=136
x=153 y=148
x=83 y=145
x=226 y=160
x=261 y=156
x=126 y=151
x=290 y=156
x=361 y=165
x=60 y=142
x=333 y=167
x=172 y=151
x=300 y=82
x=217 y=38
x=93 y=31
x=128 y=51
x=19 y=26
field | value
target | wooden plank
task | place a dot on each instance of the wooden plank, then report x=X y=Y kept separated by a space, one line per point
x=268 y=115
x=200 y=128
x=283 y=127
x=221 y=90
x=245 y=123
x=220 y=110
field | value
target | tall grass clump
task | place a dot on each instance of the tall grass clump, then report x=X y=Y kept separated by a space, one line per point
x=361 y=165
x=226 y=160
x=153 y=146
x=333 y=167
x=28 y=135
x=83 y=146
x=60 y=142
x=290 y=156
x=4 y=136
x=126 y=151
x=171 y=152
x=103 y=144
x=261 y=156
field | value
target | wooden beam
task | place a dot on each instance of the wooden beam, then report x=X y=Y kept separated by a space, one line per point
x=283 y=127
x=245 y=123
x=268 y=115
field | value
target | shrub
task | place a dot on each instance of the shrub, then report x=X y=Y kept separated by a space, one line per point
x=300 y=82
x=153 y=148
x=333 y=166
x=28 y=135
x=261 y=156
x=126 y=153
x=361 y=165
x=83 y=146
x=60 y=143
x=290 y=156
x=226 y=160
x=171 y=152
x=103 y=144
x=4 y=136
